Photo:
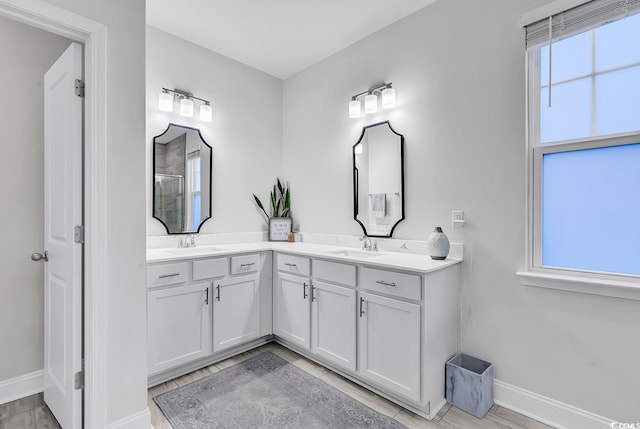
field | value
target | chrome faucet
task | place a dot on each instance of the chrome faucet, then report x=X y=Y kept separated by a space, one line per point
x=187 y=242
x=368 y=244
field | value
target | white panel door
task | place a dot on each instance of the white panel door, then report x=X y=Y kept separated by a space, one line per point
x=62 y=212
x=333 y=323
x=389 y=344
x=236 y=317
x=292 y=312
x=178 y=325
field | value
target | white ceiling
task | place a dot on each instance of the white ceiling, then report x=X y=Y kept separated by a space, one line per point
x=279 y=37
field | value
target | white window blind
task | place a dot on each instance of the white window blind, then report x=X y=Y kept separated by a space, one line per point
x=579 y=19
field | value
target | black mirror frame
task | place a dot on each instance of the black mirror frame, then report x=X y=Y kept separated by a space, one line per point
x=153 y=178
x=355 y=179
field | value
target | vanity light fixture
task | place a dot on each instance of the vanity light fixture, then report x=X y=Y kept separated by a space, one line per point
x=371 y=100
x=168 y=97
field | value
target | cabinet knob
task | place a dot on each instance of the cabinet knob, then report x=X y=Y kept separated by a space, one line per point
x=218 y=294
x=304 y=291
x=361 y=306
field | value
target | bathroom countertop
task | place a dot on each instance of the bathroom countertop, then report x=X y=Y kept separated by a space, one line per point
x=395 y=260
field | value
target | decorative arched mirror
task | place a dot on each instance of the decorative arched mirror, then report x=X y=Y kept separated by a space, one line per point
x=378 y=180
x=181 y=179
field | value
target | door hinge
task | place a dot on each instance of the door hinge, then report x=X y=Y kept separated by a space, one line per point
x=80 y=88
x=78 y=380
x=78 y=234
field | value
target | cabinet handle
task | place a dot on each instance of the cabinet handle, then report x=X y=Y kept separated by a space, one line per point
x=164 y=276
x=382 y=282
x=313 y=294
x=218 y=289
x=206 y=299
x=288 y=264
x=361 y=306
x=304 y=291
x=247 y=265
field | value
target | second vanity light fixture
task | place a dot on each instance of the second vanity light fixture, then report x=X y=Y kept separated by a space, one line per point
x=371 y=100
x=186 y=99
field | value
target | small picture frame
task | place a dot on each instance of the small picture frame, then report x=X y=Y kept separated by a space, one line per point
x=279 y=228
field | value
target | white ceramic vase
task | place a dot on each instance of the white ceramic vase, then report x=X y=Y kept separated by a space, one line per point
x=438 y=244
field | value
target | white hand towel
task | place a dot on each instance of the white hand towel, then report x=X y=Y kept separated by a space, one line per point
x=379 y=205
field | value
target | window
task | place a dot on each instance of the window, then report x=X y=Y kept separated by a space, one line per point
x=193 y=215
x=584 y=143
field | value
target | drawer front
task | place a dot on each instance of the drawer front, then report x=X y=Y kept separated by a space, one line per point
x=334 y=272
x=245 y=264
x=167 y=274
x=407 y=286
x=294 y=264
x=210 y=268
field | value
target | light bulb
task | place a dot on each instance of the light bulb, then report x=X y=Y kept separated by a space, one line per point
x=355 y=110
x=388 y=98
x=371 y=103
x=186 y=107
x=165 y=101
x=206 y=113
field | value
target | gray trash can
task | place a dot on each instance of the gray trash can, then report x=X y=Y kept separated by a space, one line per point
x=470 y=384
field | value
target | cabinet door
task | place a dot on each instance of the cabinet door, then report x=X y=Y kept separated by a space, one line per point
x=333 y=323
x=292 y=312
x=236 y=317
x=178 y=325
x=389 y=344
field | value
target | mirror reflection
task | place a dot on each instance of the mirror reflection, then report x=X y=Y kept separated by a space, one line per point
x=378 y=179
x=182 y=179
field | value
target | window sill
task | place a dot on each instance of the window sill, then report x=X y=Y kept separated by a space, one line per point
x=595 y=286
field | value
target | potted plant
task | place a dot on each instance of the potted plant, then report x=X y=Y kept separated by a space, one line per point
x=280 y=219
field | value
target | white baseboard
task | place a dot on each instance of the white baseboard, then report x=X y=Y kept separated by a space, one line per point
x=139 y=420
x=546 y=410
x=21 y=386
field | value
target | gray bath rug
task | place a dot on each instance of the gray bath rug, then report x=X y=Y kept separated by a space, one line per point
x=266 y=392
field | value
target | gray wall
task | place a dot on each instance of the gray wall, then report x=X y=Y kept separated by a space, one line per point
x=458 y=70
x=27 y=53
x=245 y=133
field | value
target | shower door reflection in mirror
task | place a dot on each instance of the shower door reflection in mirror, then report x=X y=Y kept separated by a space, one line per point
x=182 y=179
x=378 y=179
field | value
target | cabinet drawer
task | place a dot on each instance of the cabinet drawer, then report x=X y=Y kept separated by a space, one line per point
x=167 y=274
x=334 y=272
x=294 y=264
x=245 y=264
x=209 y=268
x=398 y=284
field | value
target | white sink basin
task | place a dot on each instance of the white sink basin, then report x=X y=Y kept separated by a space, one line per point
x=192 y=250
x=354 y=253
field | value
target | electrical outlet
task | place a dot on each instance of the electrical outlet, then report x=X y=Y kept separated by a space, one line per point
x=457 y=218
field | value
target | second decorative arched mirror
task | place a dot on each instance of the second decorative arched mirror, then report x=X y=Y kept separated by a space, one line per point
x=378 y=180
x=181 y=179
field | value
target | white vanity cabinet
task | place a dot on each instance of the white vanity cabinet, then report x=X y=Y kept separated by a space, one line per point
x=291 y=300
x=236 y=304
x=199 y=307
x=389 y=343
x=178 y=317
x=387 y=329
x=333 y=313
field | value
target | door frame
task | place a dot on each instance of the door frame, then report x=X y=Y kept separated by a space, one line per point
x=93 y=36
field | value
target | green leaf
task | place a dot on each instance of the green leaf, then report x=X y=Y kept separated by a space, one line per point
x=274 y=202
x=259 y=203
x=287 y=200
x=285 y=212
x=280 y=188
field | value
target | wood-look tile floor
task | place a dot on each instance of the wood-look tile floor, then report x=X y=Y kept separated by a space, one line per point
x=27 y=413
x=448 y=418
x=32 y=413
